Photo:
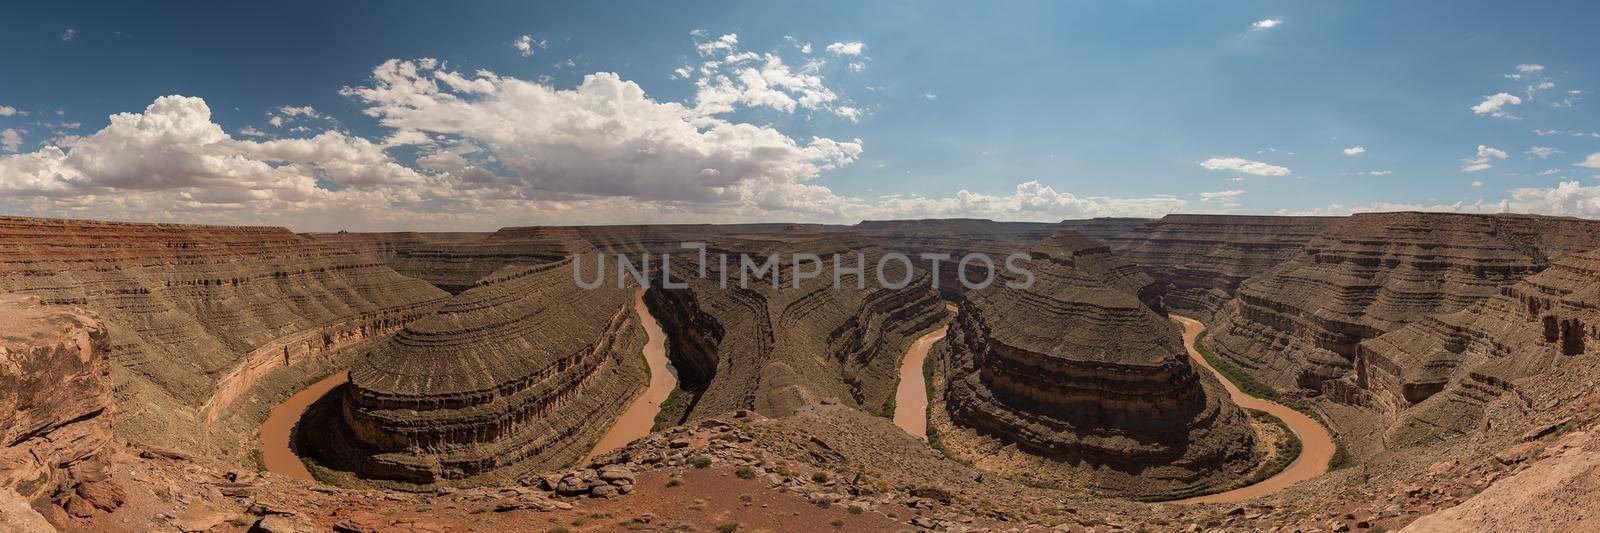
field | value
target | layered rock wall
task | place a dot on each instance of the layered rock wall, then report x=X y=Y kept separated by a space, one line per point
x=196 y=313
x=1203 y=258
x=1080 y=369
x=523 y=371
x=1298 y=325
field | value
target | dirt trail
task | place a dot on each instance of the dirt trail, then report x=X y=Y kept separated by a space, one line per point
x=276 y=453
x=641 y=415
x=1316 y=445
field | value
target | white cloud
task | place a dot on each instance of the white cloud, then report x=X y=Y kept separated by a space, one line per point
x=716 y=46
x=10 y=140
x=1529 y=68
x=1492 y=105
x=1244 y=165
x=1542 y=152
x=1481 y=161
x=1593 y=161
x=1221 y=196
x=852 y=48
x=931 y=96
x=70 y=34
x=1550 y=172
x=1265 y=24
x=251 y=131
x=1378 y=172
x=1567 y=198
x=526 y=44
x=6 y=111
x=857 y=66
x=1477 y=184
x=1355 y=150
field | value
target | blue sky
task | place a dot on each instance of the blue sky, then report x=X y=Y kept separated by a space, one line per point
x=1023 y=110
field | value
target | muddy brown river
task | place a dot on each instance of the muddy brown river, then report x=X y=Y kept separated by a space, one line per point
x=1316 y=445
x=641 y=414
x=276 y=453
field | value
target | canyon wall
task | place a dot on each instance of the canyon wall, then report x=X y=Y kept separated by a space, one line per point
x=1436 y=374
x=776 y=346
x=56 y=411
x=1078 y=368
x=1203 y=258
x=194 y=314
x=1298 y=325
x=524 y=371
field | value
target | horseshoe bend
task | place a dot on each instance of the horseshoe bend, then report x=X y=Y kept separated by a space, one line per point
x=1430 y=355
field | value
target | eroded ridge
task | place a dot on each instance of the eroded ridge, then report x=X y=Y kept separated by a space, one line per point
x=1083 y=368
x=778 y=346
x=1298 y=325
x=1204 y=258
x=524 y=371
x=197 y=315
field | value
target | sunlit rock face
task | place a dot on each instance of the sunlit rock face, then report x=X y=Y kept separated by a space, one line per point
x=197 y=315
x=525 y=370
x=1203 y=258
x=1084 y=368
x=1436 y=374
x=1298 y=325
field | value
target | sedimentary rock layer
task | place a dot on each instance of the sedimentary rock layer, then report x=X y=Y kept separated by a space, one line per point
x=775 y=345
x=1298 y=325
x=195 y=314
x=525 y=370
x=55 y=406
x=1436 y=374
x=1078 y=369
x=1203 y=258
x=951 y=240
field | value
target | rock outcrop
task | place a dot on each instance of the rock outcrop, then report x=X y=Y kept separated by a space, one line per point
x=1080 y=369
x=1436 y=374
x=197 y=314
x=55 y=409
x=1298 y=324
x=523 y=371
x=777 y=344
x=1203 y=258
x=951 y=240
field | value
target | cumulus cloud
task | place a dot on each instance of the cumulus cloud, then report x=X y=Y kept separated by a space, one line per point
x=711 y=47
x=172 y=157
x=1265 y=24
x=602 y=138
x=526 y=43
x=6 y=111
x=1239 y=164
x=1494 y=105
x=10 y=140
x=1481 y=161
x=1355 y=150
x=852 y=48
x=1593 y=161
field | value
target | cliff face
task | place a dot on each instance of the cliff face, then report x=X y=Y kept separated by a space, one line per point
x=776 y=349
x=1435 y=375
x=1203 y=258
x=1078 y=369
x=55 y=408
x=954 y=238
x=1298 y=324
x=196 y=314
x=525 y=370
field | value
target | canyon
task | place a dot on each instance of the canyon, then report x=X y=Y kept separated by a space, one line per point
x=1450 y=357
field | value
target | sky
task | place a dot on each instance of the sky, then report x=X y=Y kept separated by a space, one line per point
x=473 y=116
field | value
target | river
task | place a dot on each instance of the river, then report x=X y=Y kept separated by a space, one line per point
x=641 y=414
x=277 y=455
x=1316 y=445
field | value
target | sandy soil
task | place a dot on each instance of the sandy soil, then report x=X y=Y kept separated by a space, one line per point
x=911 y=396
x=276 y=453
x=1316 y=444
x=640 y=416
